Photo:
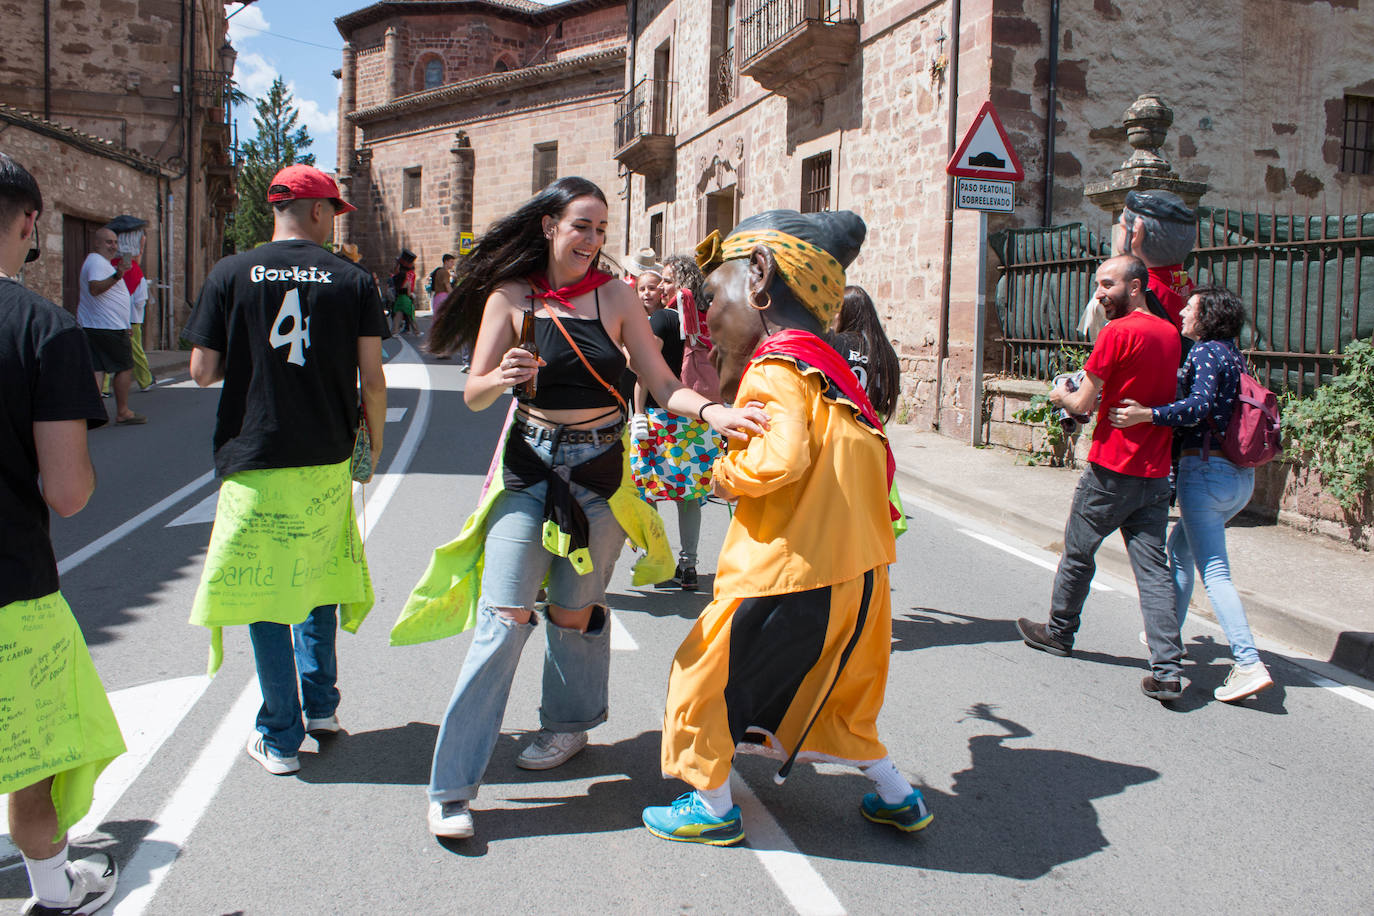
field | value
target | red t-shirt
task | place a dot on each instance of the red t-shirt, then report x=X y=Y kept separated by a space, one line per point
x=1136 y=356
x=1173 y=287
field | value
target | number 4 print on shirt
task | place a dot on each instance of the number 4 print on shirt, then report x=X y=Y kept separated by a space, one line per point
x=290 y=328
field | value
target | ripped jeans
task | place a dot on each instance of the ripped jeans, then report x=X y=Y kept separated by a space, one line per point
x=576 y=665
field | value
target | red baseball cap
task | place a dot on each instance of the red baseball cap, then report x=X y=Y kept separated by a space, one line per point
x=305 y=182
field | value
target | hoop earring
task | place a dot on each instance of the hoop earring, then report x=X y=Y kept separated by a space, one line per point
x=755 y=297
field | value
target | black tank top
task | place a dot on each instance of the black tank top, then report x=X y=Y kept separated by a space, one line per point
x=563 y=382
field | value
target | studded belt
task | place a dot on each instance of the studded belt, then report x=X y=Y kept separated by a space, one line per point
x=563 y=435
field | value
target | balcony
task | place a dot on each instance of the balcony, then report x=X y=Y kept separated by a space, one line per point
x=645 y=127
x=798 y=48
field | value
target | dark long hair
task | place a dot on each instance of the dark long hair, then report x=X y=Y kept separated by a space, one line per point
x=513 y=248
x=1220 y=313
x=859 y=317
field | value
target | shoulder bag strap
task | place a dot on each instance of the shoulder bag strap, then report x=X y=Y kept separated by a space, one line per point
x=578 y=350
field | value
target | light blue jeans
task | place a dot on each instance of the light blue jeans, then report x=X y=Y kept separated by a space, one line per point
x=1210 y=494
x=577 y=665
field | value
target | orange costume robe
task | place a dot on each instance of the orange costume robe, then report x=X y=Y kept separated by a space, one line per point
x=791 y=656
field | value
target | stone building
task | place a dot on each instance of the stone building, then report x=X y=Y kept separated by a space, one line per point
x=122 y=107
x=736 y=106
x=452 y=112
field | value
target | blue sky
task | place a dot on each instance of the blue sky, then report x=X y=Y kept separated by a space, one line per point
x=296 y=39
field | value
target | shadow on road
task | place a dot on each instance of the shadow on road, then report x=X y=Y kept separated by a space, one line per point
x=1015 y=812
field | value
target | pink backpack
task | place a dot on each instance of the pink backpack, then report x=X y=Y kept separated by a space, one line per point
x=697 y=372
x=1252 y=436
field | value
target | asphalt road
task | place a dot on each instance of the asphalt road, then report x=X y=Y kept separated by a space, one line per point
x=1056 y=786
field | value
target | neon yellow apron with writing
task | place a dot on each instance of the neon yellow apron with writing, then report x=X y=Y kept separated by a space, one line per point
x=285 y=542
x=55 y=719
x=444 y=601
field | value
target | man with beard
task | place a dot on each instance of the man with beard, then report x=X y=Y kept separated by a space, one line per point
x=1126 y=484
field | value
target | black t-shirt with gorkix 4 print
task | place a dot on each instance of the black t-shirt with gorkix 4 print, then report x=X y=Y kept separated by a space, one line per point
x=287 y=317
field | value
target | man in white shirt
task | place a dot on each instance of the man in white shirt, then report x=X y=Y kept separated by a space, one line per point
x=103 y=308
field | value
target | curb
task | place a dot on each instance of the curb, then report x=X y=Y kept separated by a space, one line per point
x=1306 y=630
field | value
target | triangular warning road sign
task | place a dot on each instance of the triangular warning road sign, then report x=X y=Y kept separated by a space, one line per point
x=986 y=152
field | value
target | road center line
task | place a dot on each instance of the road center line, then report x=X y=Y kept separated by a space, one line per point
x=158 y=851
x=799 y=882
x=85 y=553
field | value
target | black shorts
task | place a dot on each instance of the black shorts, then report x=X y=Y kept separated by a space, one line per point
x=111 y=351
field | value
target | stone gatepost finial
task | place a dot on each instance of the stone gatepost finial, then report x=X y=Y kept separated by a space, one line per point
x=1147 y=123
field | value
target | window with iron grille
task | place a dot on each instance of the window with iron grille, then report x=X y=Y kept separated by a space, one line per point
x=545 y=165
x=816 y=183
x=722 y=74
x=410 y=189
x=1357 y=135
x=656 y=234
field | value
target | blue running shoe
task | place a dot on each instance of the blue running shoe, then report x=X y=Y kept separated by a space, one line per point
x=908 y=816
x=686 y=820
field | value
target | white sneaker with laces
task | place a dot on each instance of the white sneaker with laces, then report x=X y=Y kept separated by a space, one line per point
x=1243 y=681
x=93 y=884
x=450 y=819
x=278 y=766
x=329 y=725
x=551 y=749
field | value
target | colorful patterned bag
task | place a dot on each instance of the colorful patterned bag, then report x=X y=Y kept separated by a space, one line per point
x=674 y=461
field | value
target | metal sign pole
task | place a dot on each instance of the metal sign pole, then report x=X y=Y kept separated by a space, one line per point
x=980 y=327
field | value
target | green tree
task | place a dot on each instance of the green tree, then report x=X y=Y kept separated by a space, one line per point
x=280 y=141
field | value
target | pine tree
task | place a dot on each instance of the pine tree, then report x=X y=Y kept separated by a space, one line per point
x=280 y=142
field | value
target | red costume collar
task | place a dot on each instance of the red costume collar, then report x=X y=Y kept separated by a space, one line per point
x=815 y=352
x=565 y=294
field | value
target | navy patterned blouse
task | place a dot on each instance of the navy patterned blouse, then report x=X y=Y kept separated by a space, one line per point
x=1210 y=376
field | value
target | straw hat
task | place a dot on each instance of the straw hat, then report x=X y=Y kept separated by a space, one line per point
x=644 y=261
x=350 y=251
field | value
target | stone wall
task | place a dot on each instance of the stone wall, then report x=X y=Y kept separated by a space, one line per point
x=80 y=184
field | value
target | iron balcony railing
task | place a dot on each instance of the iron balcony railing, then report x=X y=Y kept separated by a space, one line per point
x=647 y=109
x=1307 y=282
x=763 y=23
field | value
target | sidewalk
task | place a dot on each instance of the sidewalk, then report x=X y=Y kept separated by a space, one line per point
x=1298 y=589
x=166 y=363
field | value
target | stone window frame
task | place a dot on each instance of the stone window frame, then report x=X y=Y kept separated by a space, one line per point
x=1357 y=135
x=412 y=188
x=544 y=170
x=422 y=65
x=722 y=74
x=657 y=240
x=505 y=62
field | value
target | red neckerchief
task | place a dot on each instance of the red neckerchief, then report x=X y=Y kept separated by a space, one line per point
x=565 y=294
x=810 y=349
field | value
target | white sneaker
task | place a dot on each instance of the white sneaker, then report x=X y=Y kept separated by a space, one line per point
x=278 y=766
x=551 y=749
x=450 y=819
x=1243 y=681
x=93 y=884
x=329 y=725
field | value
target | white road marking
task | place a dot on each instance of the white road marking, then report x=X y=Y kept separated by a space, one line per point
x=1021 y=554
x=85 y=553
x=191 y=383
x=147 y=715
x=152 y=860
x=201 y=513
x=620 y=636
x=395 y=414
x=158 y=851
x=801 y=884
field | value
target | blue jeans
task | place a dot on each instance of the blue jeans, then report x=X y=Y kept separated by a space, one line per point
x=1210 y=493
x=1105 y=501
x=285 y=654
x=577 y=665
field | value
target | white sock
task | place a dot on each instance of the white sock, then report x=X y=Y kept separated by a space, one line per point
x=717 y=801
x=892 y=785
x=48 y=878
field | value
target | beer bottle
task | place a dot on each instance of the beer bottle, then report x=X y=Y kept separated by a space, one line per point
x=525 y=390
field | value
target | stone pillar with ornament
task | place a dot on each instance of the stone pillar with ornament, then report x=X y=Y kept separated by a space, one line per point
x=391 y=56
x=460 y=197
x=365 y=223
x=1147 y=123
x=348 y=138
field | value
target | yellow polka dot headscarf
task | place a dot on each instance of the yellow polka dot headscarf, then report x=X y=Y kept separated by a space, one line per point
x=808 y=270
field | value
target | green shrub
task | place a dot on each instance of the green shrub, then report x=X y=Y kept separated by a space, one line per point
x=1332 y=431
